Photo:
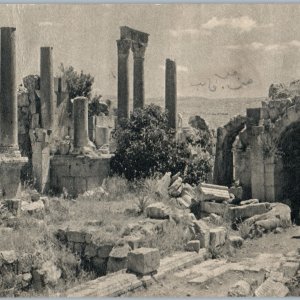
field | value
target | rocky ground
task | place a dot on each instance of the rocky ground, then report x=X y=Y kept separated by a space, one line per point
x=264 y=267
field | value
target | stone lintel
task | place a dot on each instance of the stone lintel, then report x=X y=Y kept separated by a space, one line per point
x=134 y=35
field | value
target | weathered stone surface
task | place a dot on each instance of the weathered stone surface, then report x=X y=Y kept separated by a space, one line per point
x=237 y=191
x=163 y=185
x=8 y=257
x=213 y=208
x=271 y=288
x=247 y=211
x=176 y=188
x=213 y=192
x=143 y=260
x=268 y=224
x=214 y=218
x=290 y=269
x=77 y=236
x=250 y=201
x=193 y=245
x=118 y=258
x=14 y=206
x=158 y=210
x=217 y=236
x=236 y=241
x=203 y=233
x=241 y=289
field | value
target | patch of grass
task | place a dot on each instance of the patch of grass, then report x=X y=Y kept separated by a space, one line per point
x=244 y=230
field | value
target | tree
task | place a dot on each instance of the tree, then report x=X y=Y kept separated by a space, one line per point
x=146 y=146
x=79 y=84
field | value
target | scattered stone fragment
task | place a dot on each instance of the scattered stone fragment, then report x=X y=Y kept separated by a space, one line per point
x=217 y=236
x=8 y=257
x=158 y=210
x=163 y=185
x=36 y=209
x=176 y=188
x=174 y=178
x=290 y=269
x=118 y=258
x=213 y=208
x=203 y=233
x=143 y=260
x=241 y=289
x=278 y=230
x=236 y=241
x=214 y=218
x=247 y=211
x=193 y=245
x=271 y=288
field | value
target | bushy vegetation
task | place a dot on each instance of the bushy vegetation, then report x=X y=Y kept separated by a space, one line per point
x=146 y=146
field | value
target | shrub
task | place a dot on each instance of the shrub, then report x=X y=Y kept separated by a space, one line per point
x=146 y=146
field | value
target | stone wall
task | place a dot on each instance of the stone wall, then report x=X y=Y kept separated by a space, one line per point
x=78 y=174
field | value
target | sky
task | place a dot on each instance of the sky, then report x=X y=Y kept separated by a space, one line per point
x=221 y=50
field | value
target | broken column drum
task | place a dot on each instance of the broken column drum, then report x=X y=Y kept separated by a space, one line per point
x=81 y=134
x=8 y=97
x=138 y=50
x=47 y=88
x=123 y=83
x=171 y=93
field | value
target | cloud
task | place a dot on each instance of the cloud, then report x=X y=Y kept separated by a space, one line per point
x=244 y=23
x=179 y=68
x=192 y=32
x=255 y=46
x=47 y=23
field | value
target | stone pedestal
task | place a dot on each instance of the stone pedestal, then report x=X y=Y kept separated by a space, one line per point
x=102 y=136
x=77 y=174
x=48 y=103
x=171 y=93
x=123 y=83
x=138 y=75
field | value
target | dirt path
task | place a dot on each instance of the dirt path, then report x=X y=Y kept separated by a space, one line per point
x=251 y=263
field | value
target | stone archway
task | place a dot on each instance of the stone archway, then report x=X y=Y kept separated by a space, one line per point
x=223 y=168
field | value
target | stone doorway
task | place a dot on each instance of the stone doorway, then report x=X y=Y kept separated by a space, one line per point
x=289 y=150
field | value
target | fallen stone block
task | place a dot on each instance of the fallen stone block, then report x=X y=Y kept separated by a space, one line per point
x=202 y=232
x=214 y=208
x=237 y=192
x=104 y=250
x=214 y=218
x=183 y=203
x=213 y=192
x=134 y=242
x=34 y=196
x=158 y=210
x=268 y=224
x=250 y=201
x=174 y=178
x=290 y=269
x=247 y=211
x=241 y=289
x=143 y=261
x=236 y=241
x=271 y=288
x=193 y=245
x=217 y=236
x=118 y=258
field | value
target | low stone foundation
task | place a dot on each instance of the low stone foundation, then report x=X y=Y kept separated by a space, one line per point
x=77 y=174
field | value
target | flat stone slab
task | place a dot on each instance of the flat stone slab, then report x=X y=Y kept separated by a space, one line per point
x=214 y=208
x=247 y=211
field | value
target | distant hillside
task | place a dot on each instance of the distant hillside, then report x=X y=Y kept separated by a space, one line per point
x=216 y=112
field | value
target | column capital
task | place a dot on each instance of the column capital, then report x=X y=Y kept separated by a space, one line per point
x=123 y=47
x=138 y=50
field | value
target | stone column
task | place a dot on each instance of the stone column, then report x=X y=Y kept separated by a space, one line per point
x=81 y=133
x=171 y=93
x=8 y=96
x=123 y=86
x=48 y=104
x=138 y=50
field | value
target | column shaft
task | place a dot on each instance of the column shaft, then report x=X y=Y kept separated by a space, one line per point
x=8 y=95
x=48 y=104
x=81 y=133
x=123 y=83
x=171 y=93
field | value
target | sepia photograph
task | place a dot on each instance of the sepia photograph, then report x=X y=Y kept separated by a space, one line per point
x=149 y=150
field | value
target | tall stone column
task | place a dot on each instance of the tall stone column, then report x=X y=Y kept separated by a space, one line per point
x=8 y=96
x=123 y=80
x=138 y=50
x=171 y=93
x=81 y=133
x=47 y=88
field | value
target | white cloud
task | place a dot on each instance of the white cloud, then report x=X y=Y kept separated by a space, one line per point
x=274 y=47
x=255 y=46
x=192 y=32
x=47 y=23
x=294 y=43
x=244 y=23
